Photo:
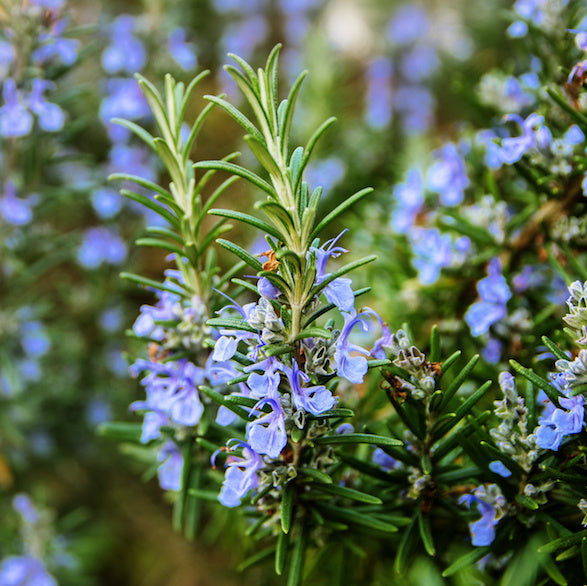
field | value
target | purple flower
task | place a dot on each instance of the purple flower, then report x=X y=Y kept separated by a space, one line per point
x=125 y=53
x=25 y=571
x=352 y=367
x=494 y=293
x=378 y=97
x=15 y=210
x=488 y=501
x=419 y=63
x=415 y=103
x=101 y=246
x=266 y=434
x=15 y=119
x=34 y=341
x=224 y=349
x=50 y=116
x=172 y=389
x=383 y=460
x=106 y=202
x=498 y=467
x=409 y=25
x=24 y=506
x=315 y=399
x=124 y=100
x=326 y=172
x=267 y=289
x=534 y=135
x=408 y=199
x=555 y=423
x=433 y=251
x=517 y=29
x=53 y=46
x=241 y=474
x=183 y=53
x=170 y=468
x=338 y=291
x=448 y=176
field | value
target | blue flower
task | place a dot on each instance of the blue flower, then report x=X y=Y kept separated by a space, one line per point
x=241 y=474
x=101 y=246
x=499 y=467
x=448 y=175
x=25 y=571
x=125 y=53
x=266 y=434
x=378 y=97
x=490 y=503
x=384 y=461
x=183 y=53
x=170 y=468
x=314 y=399
x=434 y=251
x=408 y=199
x=534 y=135
x=106 y=202
x=53 y=46
x=50 y=116
x=339 y=291
x=494 y=293
x=15 y=119
x=24 y=506
x=352 y=367
x=172 y=389
x=16 y=210
x=556 y=423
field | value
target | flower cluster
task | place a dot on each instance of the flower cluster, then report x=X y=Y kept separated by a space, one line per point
x=289 y=396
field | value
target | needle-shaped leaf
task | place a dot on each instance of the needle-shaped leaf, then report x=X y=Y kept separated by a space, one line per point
x=247 y=219
x=347 y=203
x=239 y=171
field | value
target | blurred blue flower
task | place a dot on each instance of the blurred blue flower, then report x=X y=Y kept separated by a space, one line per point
x=53 y=46
x=124 y=99
x=170 y=468
x=483 y=530
x=50 y=116
x=325 y=172
x=534 y=135
x=517 y=29
x=419 y=63
x=101 y=246
x=34 y=339
x=241 y=473
x=494 y=294
x=106 y=202
x=182 y=52
x=16 y=210
x=378 y=98
x=408 y=199
x=384 y=461
x=433 y=251
x=415 y=104
x=409 y=24
x=448 y=176
x=25 y=571
x=125 y=53
x=15 y=119
x=499 y=467
x=24 y=506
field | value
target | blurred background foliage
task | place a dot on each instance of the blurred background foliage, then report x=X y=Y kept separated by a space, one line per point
x=402 y=78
